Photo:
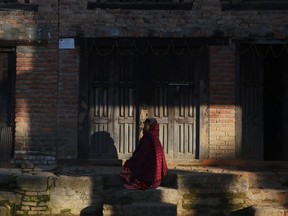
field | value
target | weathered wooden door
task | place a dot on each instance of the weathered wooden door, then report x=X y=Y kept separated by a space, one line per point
x=124 y=106
x=7 y=70
x=120 y=85
x=251 y=105
x=112 y=108
x=174 y=104
x=101 y=143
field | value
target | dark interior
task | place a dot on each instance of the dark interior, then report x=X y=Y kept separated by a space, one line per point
x=274 y=102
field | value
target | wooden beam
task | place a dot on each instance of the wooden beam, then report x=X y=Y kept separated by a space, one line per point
x=9 y=43
x=140 y=5
x=19 y=6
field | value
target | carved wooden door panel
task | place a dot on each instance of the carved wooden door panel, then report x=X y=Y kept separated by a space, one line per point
x=185 y=109
x=112 y=110
x=101 y=142
x=174 y=104
x=160 y=101
x=121 y=85
x=124 y=106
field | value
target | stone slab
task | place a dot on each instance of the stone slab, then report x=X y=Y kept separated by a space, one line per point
x=32 y=183
x=4 y=211
x=11 y=197
x=123 y=196
x=262 y=211
x=267 y=196
x=220 y=181
x=140 y=209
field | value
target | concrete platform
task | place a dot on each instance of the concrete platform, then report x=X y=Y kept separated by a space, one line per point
x=194 y=190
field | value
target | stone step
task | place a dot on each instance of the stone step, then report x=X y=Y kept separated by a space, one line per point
x=9 y=197
x=234 y=180
x=86 y=170
x=140 y=209
x=214 y=182
x=203 y=193
x=124 y=196
x=267 y=196
x=273 y=210
x=268 y=180
x=8 y=179
x=113 y=180
x=211 y=203
x=198 y=180
x=4 y=211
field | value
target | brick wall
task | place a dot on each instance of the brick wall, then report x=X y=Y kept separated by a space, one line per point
x=206 y=19
x=36 y=104
x=68 y=103
x=47 y=80
x=35 y=36
x=222 y=102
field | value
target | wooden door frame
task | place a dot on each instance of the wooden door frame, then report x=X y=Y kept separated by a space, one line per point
x=202 y=122
x=10 y=127
x=83 y=106
x=238 y=104
x=202 y=119
x=239 y=118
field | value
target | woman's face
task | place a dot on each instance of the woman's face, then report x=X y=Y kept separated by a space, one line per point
x=146 y=127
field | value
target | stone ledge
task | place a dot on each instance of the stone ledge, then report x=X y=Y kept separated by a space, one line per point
x=125 y=197
x=32 y=183
x=10 y=197
x=4 y=210
x=140 y=208
x=262 y=210
x=90 y=162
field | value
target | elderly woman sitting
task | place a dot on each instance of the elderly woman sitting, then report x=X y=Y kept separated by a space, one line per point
x=147 y=166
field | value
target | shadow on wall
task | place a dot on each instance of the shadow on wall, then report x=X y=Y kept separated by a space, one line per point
x=102 y=146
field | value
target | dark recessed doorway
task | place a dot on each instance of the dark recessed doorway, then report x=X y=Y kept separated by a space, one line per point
x=274 y=103
x=263 y=102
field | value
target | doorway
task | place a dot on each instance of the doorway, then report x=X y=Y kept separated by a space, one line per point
x=7 y=77
x=275 y=106
x=264 y=101
x=120 y=84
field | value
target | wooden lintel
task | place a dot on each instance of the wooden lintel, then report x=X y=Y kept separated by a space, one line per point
x=140 y=5
x=11 y=43
x=19 y=6
x=155 y=42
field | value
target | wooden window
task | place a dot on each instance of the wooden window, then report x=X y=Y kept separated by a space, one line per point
x=142 y=4
x=254 y=4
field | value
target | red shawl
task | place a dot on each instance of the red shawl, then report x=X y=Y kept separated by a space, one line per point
x=148 y=163
x=160 y=162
